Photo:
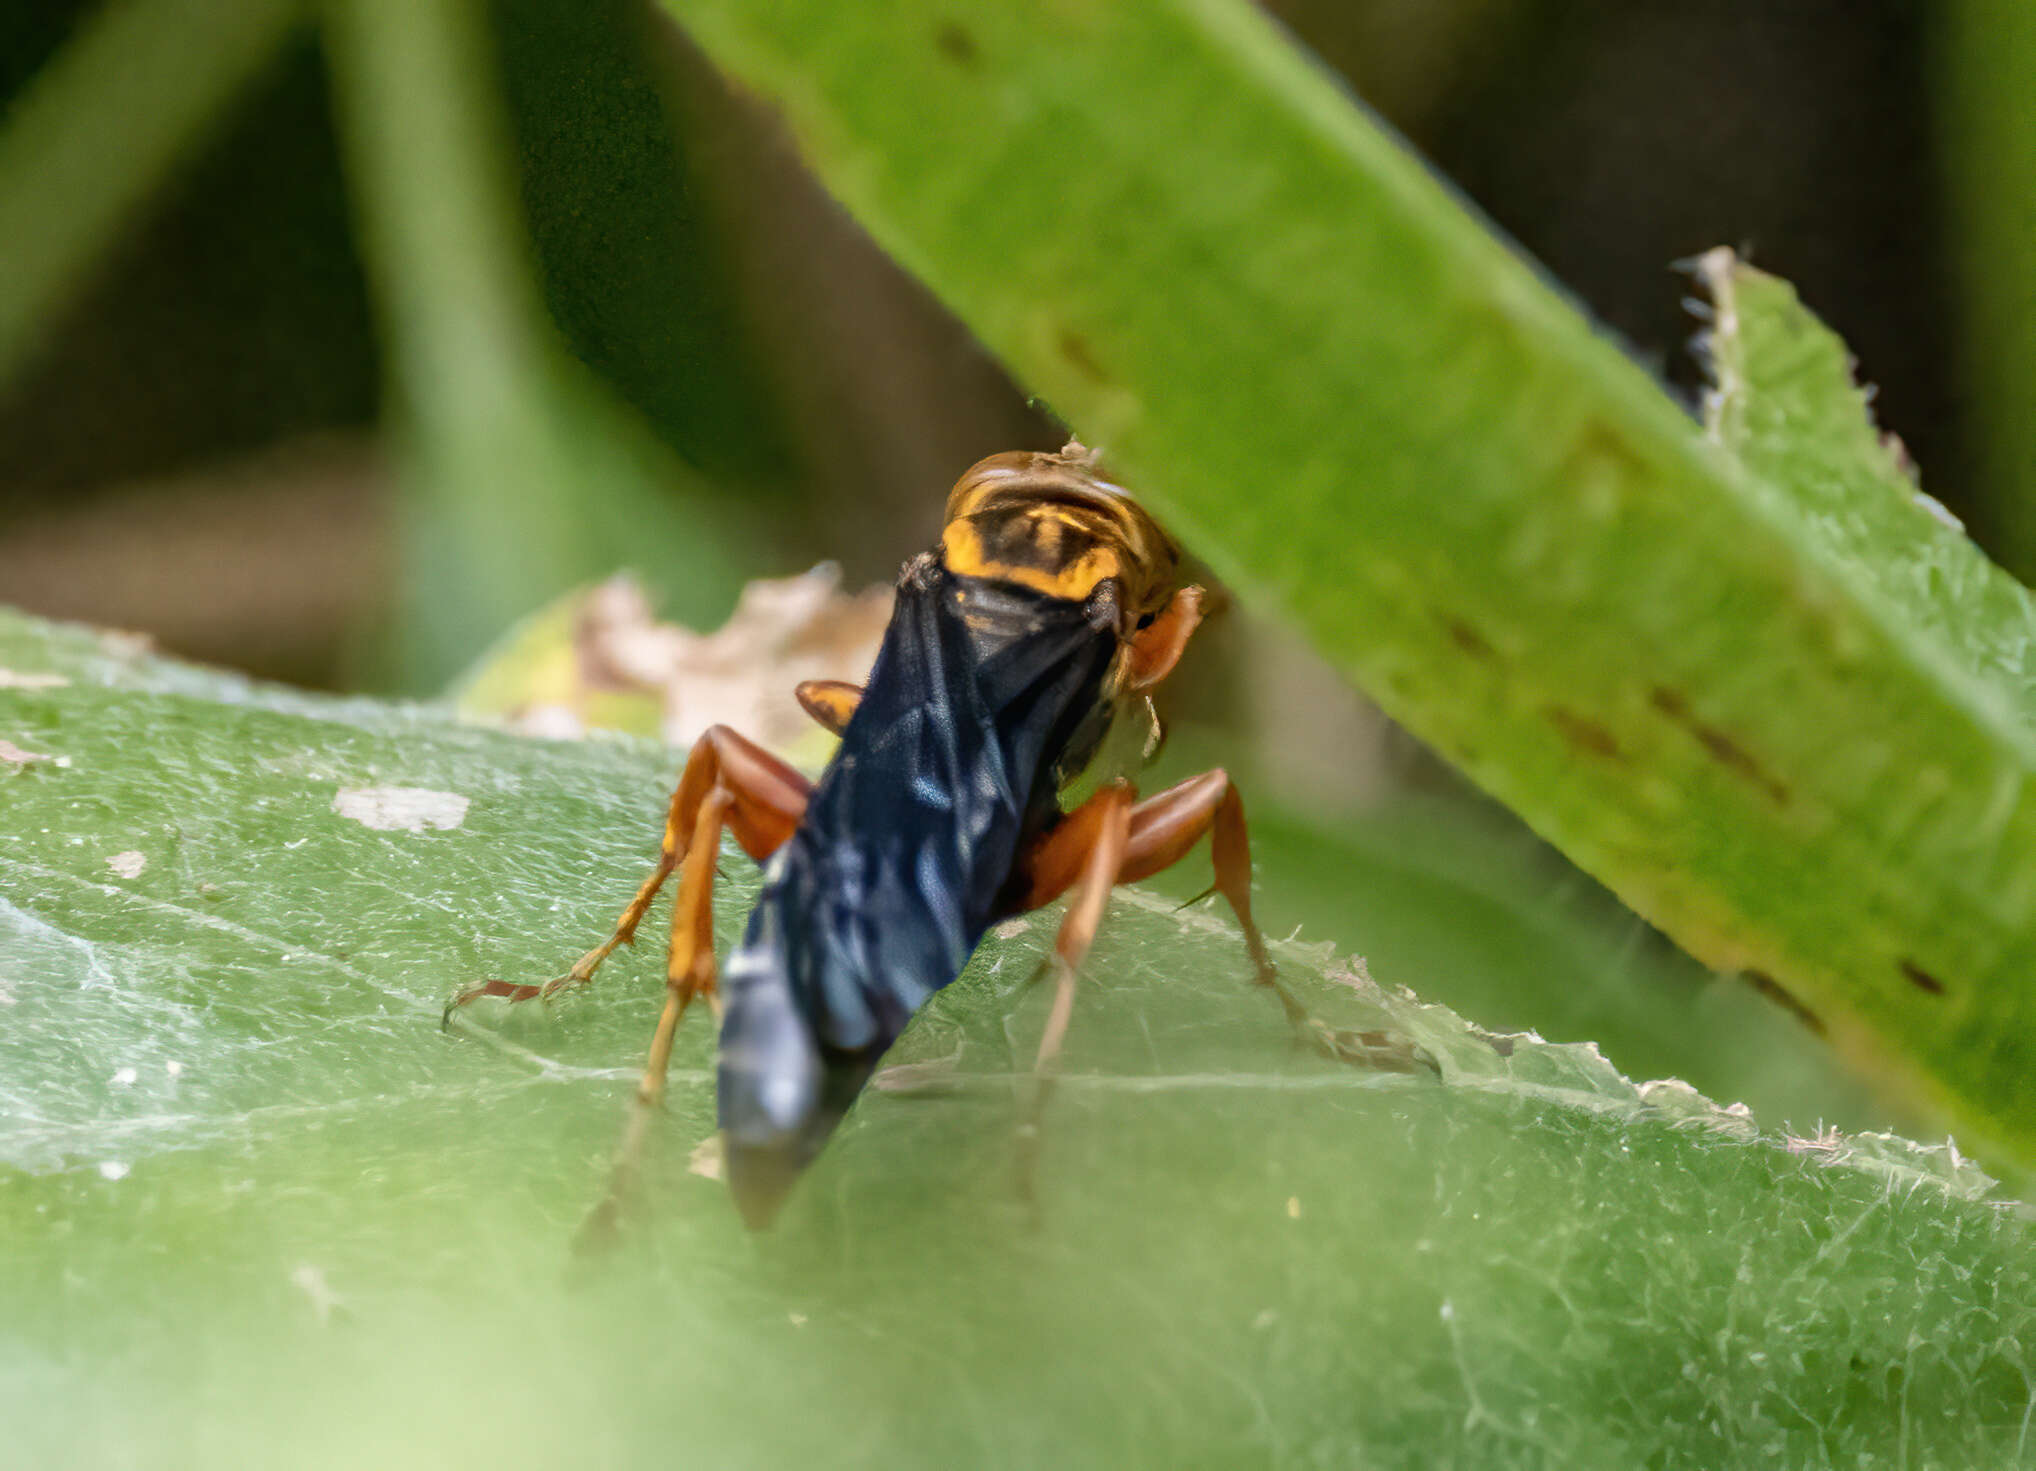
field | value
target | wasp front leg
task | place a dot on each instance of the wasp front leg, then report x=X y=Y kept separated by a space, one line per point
x=1166 y=827
x=1089 y=845
x=1109 y=841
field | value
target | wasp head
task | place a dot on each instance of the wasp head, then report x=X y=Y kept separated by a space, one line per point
x=1053 y=522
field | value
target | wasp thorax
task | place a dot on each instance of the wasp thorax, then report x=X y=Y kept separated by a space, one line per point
x=1055 y=523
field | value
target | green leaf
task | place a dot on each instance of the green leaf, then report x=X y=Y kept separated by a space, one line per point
x=1373 y=418
x=1449 y=890
x=1981 y=55
x=133 y=94
x=262 y=1210
x=525 y=474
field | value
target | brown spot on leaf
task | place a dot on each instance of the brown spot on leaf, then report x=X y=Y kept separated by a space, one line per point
x=1468 y=639
x=1726 y=751
x=956 y=44
x=1075 y=349
x=1920 y=978
x=1600 y=460
x=1585 y=734
x=1772 y=989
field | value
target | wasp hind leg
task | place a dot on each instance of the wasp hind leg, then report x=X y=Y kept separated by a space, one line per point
x=766 y=799
x=730 y=783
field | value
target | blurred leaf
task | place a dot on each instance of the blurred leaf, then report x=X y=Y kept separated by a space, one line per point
x=538 y=666
x=527 y=476
x=1984 y=55
x=1368 y=414
x=631 y=261
x=601 y=659
x=263 y=1211
x=130 y=97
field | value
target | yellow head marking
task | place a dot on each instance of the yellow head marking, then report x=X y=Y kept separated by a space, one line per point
x=1053 y=523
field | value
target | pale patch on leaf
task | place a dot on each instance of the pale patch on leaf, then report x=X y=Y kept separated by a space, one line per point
x=128 y=864
x=324 y=1301
x=705 y=1160
x=13 y=755
x=12 y=679
x=405 y=809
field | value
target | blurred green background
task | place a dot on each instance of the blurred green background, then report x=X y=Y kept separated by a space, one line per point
x=190 y=447
x=305 y=416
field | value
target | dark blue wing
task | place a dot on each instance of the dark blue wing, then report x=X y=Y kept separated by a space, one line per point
x=979 y=698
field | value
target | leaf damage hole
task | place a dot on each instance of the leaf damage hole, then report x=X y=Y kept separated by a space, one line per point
x=1920 y=978
x=1726 y=751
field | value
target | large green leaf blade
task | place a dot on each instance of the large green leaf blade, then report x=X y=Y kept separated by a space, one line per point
x=1375 y=419
x=335 y=1235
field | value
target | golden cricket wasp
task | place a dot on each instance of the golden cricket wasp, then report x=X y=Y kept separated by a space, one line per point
x=1050 y=608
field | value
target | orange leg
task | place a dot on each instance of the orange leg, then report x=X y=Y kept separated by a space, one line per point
x=1100 y=830
x=729 y=783
x=689 y=975
x=1108 y=820
x=1162 y=830
x=1155 y=649
x=830 y=701
x=762 y=800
